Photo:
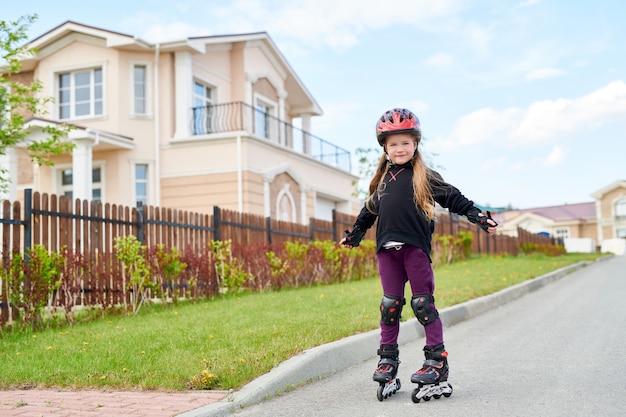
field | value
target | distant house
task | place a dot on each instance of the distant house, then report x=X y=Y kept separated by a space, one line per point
x=611 y=211
x=188 y=124
x=602 y=222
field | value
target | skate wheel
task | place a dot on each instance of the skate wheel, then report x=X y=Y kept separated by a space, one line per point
x=427 y=398
x=447 y=394
x=437 y=396
x=398 y=385
x=379 y=393
x=414 y=396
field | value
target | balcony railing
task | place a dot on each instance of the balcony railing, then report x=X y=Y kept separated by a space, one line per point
x=239 y=116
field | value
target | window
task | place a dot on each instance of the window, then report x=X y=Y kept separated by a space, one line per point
x=80 y=94
x=262 y=127
x=620 y=208
x=562 y=233
x=140 y=73
x=67 y=182
x=620 y=233
x=266 y=124
x=285 y=205
x=141 y=184
x=202 y=112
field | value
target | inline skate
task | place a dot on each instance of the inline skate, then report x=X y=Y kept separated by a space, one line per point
x=386 y=372
x=432 y=378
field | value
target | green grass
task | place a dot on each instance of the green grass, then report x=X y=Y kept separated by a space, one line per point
x=229 y=341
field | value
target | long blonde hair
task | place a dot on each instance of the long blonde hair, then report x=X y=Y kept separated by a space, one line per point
x=422 y=193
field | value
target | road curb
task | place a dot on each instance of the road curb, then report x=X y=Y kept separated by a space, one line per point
x=322 y=361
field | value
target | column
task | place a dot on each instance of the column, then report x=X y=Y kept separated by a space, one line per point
x=266 y=197
x=306 y=138
x=82 y=167
x=183 y=79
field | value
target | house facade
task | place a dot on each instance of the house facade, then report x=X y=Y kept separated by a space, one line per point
x=596 y=225
x=189 y=124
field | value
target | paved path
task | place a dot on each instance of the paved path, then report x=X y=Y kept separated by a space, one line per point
x=54 y=403
x=557 y=351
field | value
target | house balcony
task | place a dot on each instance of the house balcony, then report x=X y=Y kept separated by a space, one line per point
x=239 y=116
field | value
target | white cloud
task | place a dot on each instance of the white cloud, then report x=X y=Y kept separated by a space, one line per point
x=527 y=3
x=158 y=28
x=491 y=164
x=548 y=119
x=336 y=24
x=543 y=73
x=162 y=32
x=542 y=121
x=555 y=157
x=484 y=125
x=418 y=106
x=518 y=166
x=440 y=60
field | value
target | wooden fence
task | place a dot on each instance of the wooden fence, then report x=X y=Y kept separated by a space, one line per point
x=89 y=229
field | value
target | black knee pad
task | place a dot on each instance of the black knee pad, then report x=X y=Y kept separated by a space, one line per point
x=423 y=311
x=391 y=309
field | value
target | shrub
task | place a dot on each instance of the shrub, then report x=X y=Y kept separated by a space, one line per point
x=135 y=271
x=230 y=270
x=543 y=248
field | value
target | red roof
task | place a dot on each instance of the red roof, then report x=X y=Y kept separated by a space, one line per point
x=580 y=211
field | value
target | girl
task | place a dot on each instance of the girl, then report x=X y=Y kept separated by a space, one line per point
x=402 y=196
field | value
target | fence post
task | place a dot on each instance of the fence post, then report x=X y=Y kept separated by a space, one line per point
x=487 y=244
x=216 y=223
x=140 y=223
x=28 y=221
x=268 y=222
x=311 y=229
x=28 y=234
x=334 y=225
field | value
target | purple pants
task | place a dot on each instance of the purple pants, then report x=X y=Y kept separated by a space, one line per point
x=396 y=267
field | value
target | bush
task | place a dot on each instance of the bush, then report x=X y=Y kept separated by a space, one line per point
x=544 y=248
x=447 y=248
x=135 y=274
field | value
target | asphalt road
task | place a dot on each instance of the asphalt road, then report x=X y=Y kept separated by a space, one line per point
x=557 y=351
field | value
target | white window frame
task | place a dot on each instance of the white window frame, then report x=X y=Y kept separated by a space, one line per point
x=562 y=233
x=62 y=189
x=204 y=123
x=264 y=107
x=149 y=191
x=147 y=89
x=73 y=71
x=620 y=208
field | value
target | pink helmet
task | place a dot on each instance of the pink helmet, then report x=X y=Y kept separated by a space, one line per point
x=397 y=121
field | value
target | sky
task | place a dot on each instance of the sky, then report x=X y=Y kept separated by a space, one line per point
x=522 y=103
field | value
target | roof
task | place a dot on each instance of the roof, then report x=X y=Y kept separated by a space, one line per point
x=568 y=212
x=100 y=139
x=617 y=184
x=301 y=100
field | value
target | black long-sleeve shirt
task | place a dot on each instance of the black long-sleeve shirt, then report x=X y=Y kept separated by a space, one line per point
x=398 y=218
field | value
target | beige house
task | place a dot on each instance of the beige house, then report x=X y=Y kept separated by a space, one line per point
x=600 y=224
x=189 y=124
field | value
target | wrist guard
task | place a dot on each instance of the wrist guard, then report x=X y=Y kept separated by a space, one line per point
x=354 y=237
x=475 y=216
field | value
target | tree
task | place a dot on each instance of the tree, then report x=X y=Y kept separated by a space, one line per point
x=20 y=100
